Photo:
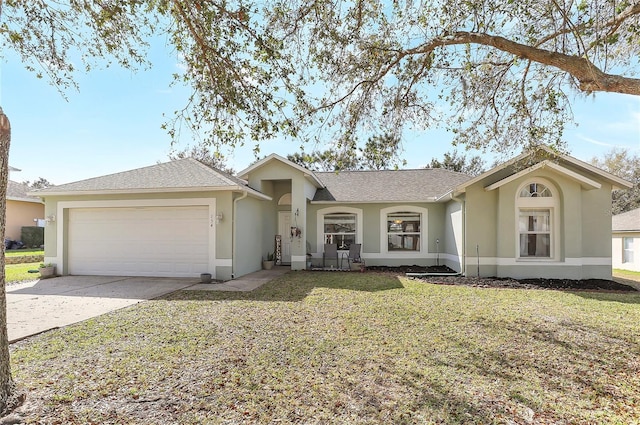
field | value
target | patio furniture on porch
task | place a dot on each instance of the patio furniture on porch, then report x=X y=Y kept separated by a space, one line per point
x=353 y=256
x=330 y=252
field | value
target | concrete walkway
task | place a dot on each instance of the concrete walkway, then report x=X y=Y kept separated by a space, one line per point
x=247 y=282
x=46 y=304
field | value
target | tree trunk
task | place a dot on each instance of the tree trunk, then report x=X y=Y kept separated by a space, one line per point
x=7 y=387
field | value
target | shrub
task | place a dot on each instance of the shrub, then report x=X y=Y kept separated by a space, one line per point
x=32 y=236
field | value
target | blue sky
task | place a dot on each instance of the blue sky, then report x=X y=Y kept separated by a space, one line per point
x=113 y=124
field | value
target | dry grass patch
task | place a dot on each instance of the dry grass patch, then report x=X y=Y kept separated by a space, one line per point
x=343 y=348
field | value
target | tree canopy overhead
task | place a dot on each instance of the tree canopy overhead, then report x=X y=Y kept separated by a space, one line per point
x=498 y=75
x=235 y=69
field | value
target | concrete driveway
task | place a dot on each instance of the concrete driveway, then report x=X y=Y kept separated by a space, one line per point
x=35 y=307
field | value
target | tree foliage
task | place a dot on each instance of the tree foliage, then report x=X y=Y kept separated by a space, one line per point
x=622 y=163
x=379 y=153
x=497 y=75
x=458 y=162
x=205 y=155
x=39 y=183
x=237 y=72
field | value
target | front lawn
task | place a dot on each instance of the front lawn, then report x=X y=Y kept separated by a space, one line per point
x=20 y=272
x=337 y=348
x=626 y=274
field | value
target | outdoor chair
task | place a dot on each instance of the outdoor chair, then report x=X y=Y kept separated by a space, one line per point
x=330 y=252
x=353 y=256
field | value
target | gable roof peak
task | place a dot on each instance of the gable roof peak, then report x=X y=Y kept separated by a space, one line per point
x=244 y=174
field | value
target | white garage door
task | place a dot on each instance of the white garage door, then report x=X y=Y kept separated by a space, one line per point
x=139 y=241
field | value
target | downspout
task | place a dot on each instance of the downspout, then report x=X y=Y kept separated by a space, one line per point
x=233 y=233
x=463 y=204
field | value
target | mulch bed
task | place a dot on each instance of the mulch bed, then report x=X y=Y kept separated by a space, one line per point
x=495 y=282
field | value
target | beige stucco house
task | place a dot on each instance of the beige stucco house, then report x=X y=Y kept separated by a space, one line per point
x=625 y=247
x=548 y=217
x=22 y=210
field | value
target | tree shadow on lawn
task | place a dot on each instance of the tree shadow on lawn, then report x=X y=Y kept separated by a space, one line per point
x=613 y=297
x=298 y=285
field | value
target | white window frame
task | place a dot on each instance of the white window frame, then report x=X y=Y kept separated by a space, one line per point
x=384 y=235
x=337 y=210
x=627 y=252
x=334 y=237
x=552 y=204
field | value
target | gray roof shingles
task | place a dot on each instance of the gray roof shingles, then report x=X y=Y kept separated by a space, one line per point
x=18 y=191
x=388 y=185
x=628 y=221
x=185 y=173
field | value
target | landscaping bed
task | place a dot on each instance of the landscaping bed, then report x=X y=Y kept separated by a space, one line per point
x=495 y=282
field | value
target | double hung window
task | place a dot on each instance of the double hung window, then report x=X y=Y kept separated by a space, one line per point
x=340 y=229
x=403 y=231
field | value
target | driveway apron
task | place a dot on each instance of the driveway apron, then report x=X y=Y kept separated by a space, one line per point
x=35 y=307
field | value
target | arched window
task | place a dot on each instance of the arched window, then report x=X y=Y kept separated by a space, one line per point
x=285 y=199
x=537 y=207
x=535 y=190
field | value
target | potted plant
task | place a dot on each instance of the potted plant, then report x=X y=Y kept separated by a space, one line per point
x=268 y=263
x=47 y=270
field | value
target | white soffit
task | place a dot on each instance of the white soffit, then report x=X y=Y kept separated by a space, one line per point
x=585 y=182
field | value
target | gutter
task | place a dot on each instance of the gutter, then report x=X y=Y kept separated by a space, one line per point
x=233 y=233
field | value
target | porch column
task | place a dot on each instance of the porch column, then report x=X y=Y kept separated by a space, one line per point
x=299 y=220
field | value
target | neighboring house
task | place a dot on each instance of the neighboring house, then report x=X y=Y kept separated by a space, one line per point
x=626 y=240
x=22 y=209
x=543 y=218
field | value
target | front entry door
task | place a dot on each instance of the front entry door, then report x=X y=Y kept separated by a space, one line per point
x=284 y=230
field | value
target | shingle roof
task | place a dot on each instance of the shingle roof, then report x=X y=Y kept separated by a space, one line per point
x=388 y=185
x=628 y=221
x=18 y=192
x=183 y=174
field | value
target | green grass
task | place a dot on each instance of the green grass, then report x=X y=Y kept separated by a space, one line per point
x=626 y=274
x=343 y=348
x=20 y=272
x=23 y=252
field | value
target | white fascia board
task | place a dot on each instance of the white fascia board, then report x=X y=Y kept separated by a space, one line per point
x=14 y=198
x=585 y=182
x=251 y=192
x=411 y=201
x=460 y=189
x=308 y=174
x=618 y=183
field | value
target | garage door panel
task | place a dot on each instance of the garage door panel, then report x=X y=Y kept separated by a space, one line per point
x=148 y=241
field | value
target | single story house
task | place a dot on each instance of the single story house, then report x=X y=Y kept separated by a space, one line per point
x=22 y=210
x=625 y=249
x=534 y=216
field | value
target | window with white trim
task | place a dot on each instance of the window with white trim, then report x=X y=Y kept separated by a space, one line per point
x=340 y=229
x=536 y=231
x=403 y=231
x=627 y=250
